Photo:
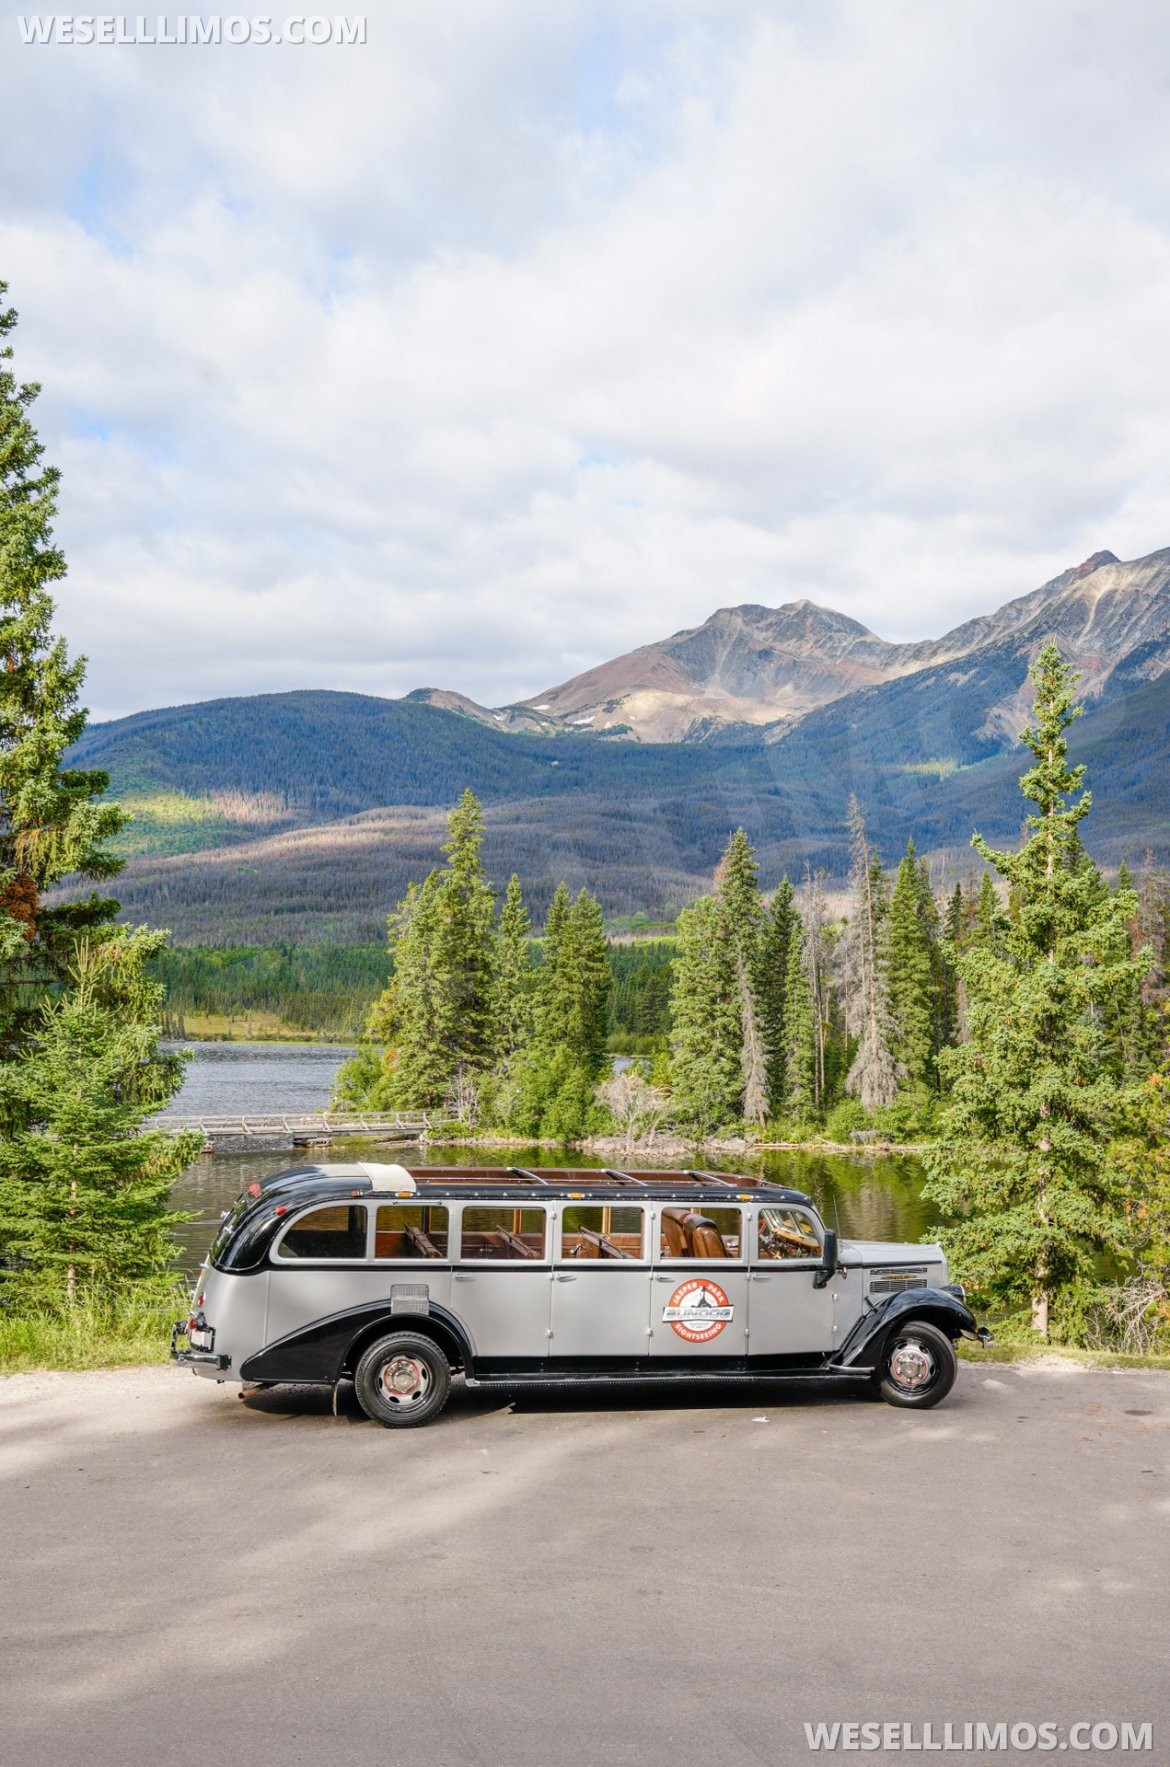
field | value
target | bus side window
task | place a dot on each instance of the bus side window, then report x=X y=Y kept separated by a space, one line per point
x=787 y=1233
x=338 y=1231
x=594 y=1230
x=687 y=1232
x=501 y=1233
x=403 y=1230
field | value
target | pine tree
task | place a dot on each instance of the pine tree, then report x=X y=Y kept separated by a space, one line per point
x=51 y=822
x=84 y=1209
x=514 y=1004
x=587 y=982
x=465 y=955
x=415 y=1070
x=1024 y=1158
x=742 y=908
x=950 y=1019
x=940 y=976
x=549 y=1087
x=817 y=961
x=775 y=946
x=83 y=1196
x=873 y=1077
x=802 y=1055
x=910 y=976
x=435 y=1021
x=706 y=1070
x=987 y=931
x=1131 y=1033
x=552 y=1021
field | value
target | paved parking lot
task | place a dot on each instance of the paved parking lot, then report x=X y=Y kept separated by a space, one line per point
x=193 y=1580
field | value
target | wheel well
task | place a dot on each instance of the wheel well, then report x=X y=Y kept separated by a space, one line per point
x=425 y=1324
x=939 y=1318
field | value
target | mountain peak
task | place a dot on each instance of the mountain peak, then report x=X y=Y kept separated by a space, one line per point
x=1093 y=563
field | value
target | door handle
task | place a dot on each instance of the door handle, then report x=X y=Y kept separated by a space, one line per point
x=460 y=1278
x=666 y=1279
x=755 y=1278
x=564 y=1279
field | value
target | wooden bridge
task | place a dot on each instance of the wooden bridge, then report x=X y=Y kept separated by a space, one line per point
x=304 y=1128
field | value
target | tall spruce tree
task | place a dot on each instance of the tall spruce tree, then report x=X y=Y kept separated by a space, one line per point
x=707 y=1026
x=874 y=1074
x=549 y=1090
x=1024 y=1161
x=513 y=1010
x=989 y=924
x=414 y=1071
x=83 y=1195
x=552 y=1017
x=742 y=908
x=802 y=1049
x=465 y=954
x=775 y=944
x=587 y=982
x=816 y=947
x=435 y=1019
x=950 y=1020
x=52 y=822
x=911 y=977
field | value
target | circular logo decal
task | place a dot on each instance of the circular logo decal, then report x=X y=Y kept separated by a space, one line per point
x=698 y=1310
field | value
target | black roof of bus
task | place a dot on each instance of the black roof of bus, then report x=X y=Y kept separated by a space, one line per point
x=577 y=1183
x=248 y=1226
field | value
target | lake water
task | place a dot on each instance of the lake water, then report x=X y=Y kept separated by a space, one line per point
x=867 y=1197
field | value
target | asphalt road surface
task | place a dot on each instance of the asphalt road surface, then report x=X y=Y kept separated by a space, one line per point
x=190 y=1580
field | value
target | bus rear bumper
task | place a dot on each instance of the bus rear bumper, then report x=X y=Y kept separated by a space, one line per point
x=203 y=1360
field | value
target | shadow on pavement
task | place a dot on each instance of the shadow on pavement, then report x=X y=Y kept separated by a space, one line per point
x=304 y=1401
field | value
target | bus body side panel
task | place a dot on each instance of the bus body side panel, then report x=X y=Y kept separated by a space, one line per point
x=299 y=1294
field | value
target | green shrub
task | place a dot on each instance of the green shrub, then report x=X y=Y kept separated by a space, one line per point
x=844 y=1118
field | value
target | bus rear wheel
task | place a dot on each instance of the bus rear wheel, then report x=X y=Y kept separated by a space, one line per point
x=402 y=1380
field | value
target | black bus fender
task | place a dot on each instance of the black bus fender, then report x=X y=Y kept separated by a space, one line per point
x=937 y=1306
x=322 y=1353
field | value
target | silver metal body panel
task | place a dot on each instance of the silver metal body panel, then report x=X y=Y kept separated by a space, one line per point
x=235 y=1306
x=788 y=1315
x=503 y=1306
x=298 y=1295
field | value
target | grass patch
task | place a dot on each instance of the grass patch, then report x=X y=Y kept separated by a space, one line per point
x=170 y=822
x=93 y=1333
x=997 y=1352
x=941 y=769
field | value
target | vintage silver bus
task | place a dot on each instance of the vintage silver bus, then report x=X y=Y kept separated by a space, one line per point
x=399 y=1279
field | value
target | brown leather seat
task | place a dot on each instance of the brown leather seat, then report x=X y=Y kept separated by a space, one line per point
x=706 y=1239
x=675 y=1239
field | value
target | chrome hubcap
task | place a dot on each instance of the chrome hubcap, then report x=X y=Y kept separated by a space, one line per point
x=404 y=1381
x=911 y=1365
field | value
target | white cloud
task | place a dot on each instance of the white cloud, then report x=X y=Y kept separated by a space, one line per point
x=526 y=334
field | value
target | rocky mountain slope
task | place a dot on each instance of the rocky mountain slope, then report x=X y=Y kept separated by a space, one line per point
x=304 y=815
x=760 y=667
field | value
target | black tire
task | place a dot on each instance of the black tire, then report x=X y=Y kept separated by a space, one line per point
x=402 y=1380
x=918 y=1366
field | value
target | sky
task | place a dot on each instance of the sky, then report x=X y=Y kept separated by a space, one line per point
x=526 y=333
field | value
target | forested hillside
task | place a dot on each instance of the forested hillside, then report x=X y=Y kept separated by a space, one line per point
x=642 y=826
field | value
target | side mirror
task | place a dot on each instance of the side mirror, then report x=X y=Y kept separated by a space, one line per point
x=828 y=1267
